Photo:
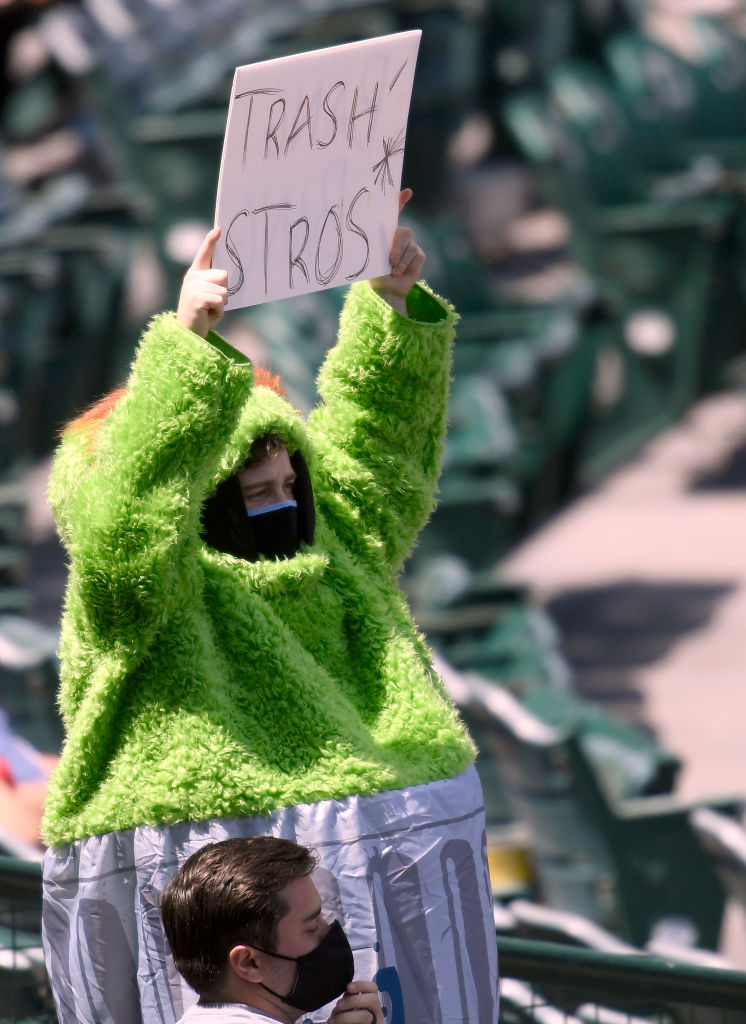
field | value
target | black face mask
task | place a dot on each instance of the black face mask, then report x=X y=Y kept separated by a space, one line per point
x=275 y=529
x=321 y=975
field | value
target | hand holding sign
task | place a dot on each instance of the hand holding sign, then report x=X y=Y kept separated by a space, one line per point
x=311 y=168
x=204 y=291
x=407 y=260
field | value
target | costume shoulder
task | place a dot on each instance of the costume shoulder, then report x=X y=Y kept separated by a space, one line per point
x=382 y=419
x=126 y=491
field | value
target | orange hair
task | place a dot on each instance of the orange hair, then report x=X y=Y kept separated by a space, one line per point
x=264 y=379
x=95 y=414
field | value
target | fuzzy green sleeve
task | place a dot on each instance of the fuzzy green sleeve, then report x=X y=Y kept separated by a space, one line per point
x=128 y=500
x=384 y=390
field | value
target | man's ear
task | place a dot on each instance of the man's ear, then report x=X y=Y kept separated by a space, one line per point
x=242 y=962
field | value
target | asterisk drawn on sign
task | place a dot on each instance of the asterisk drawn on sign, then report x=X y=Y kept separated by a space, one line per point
x=382 y=170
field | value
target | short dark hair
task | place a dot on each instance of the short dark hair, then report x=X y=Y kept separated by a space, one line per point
x=268 y=446
x=224 y=894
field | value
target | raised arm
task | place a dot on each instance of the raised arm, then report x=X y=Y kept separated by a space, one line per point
x=384 y=390
x=128 y=497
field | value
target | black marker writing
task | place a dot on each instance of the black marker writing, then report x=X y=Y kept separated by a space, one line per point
x=352 y=226
x=252 y=93
x=265 y=210
x=382 y=169
x=325 y=277
x=307 y=118
x=331 y=256
x=246 y=132
x=233 y=254
x=355 y=116
x=272 y=128
x=257 y=92
x=295 y=260
x=298 y=128
x=396 y=76
x=328 y=110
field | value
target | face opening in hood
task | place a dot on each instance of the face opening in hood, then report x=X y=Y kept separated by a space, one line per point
x=227 y=527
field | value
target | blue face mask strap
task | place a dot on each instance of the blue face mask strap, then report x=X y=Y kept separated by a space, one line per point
x=263 y=511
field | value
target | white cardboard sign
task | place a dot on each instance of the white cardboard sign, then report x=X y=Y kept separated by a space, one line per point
x=311 y=168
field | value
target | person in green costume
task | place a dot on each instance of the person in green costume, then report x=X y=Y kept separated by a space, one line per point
x=227 y=673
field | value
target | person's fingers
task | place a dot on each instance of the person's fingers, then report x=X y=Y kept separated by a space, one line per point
x=402 y=240
x=354 y=1015
x=211 y=288
x=212 y=276
x=206 y=251
x=412 y=261
x=406 y=258
x=360 y=985
x=196 y=291
x=215 y=304
x=404 y=196
x=359 y=1005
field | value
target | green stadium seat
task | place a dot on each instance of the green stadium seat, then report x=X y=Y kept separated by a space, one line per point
x=476 y=517
x=654 y=259
x=702 y=98
x=510 y=649
x=520 y=397
x=626 y=156
x=628 y=864
x=724 y=840
x=626 y=760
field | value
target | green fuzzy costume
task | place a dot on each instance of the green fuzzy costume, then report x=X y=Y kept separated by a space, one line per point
x=196 y=685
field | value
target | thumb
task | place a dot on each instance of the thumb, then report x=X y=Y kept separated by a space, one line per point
x=404 y=196
x=206 y=251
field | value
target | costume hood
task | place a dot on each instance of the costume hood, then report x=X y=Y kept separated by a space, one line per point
x=225 y=524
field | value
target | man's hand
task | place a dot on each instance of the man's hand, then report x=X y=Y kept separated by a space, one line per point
x=360 y=1004
x=407 y=261
x=204 y=291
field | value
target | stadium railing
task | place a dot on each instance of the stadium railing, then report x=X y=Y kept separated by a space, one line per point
x=24 y=988
x=557 y=984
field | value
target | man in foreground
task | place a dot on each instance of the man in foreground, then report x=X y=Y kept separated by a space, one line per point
x=244 y=922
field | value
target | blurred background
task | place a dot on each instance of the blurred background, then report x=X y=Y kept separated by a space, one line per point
x=579 y=177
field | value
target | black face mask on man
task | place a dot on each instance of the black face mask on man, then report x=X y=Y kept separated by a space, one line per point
x=275 y=529
x=321 y=975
